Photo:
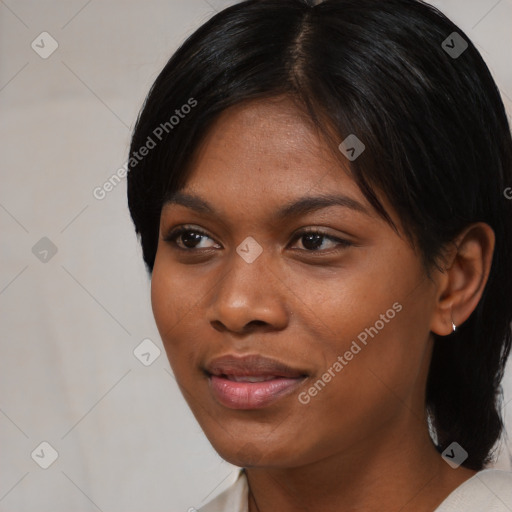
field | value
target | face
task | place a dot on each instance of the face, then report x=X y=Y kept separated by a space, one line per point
x=289 y=346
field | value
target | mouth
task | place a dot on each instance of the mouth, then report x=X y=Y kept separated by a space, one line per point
x=251 y=382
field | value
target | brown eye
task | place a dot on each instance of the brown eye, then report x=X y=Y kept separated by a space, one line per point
x=190 y=238
x=313 y=240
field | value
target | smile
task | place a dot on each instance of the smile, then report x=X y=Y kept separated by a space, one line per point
x=251 y=381
x=251 y=392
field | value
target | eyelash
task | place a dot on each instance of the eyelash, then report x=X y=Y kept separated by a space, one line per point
x=174 y=234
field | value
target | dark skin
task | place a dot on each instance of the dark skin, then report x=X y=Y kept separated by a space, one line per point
x=362 y=443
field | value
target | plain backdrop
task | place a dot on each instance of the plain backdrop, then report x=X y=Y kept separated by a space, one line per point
x=74 y=294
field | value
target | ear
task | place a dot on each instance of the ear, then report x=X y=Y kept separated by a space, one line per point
x=462 y=283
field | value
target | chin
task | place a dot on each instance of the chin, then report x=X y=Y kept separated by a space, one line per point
x=251 y=454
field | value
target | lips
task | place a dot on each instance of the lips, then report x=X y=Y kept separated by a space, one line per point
x=248 y=378
x=251 y=382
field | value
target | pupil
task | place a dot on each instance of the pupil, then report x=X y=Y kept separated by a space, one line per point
x=315 y=240
x=189 y=236
x=315 y=245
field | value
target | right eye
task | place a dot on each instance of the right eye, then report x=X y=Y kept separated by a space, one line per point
x=189 y=237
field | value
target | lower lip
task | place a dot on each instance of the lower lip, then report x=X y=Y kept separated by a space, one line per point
x=251 y=395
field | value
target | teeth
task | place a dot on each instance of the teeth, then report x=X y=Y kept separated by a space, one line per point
x=251 y=379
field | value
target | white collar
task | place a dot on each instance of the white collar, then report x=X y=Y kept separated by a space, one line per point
x=489 y=489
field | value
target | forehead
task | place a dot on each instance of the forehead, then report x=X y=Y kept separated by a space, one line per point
x=265 y=158
x=274 y=123
x=266 y=146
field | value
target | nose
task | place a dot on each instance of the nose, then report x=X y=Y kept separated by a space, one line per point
x=250 y=296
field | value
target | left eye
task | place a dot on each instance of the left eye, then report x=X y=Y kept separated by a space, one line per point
x=313 y=239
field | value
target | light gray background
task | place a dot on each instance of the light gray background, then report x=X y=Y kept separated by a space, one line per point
x=125 y=437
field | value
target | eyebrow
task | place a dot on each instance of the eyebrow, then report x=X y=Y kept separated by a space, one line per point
x=295 y=208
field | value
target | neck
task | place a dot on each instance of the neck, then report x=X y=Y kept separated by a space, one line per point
x=388 y=473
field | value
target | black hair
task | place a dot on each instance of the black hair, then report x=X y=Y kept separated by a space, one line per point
x=437 y=145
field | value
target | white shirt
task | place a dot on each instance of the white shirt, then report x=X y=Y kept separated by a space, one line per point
x=489 y=490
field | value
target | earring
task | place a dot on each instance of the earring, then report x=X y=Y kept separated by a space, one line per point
x=454 y=327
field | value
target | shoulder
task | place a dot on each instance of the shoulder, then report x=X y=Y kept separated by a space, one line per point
x=233 y=499
x=489 y=490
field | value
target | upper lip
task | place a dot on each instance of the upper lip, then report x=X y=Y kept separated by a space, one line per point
x=251 y=365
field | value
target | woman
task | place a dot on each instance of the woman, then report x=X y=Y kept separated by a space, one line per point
x=319 y=194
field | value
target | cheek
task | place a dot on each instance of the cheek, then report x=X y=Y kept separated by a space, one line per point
x=161 y=300
x=384 y=360
x=173 y=305
x=345 y=306
x=376 y=322
x=174 y=293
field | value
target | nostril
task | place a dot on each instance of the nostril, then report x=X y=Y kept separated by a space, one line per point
x=257 y=322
